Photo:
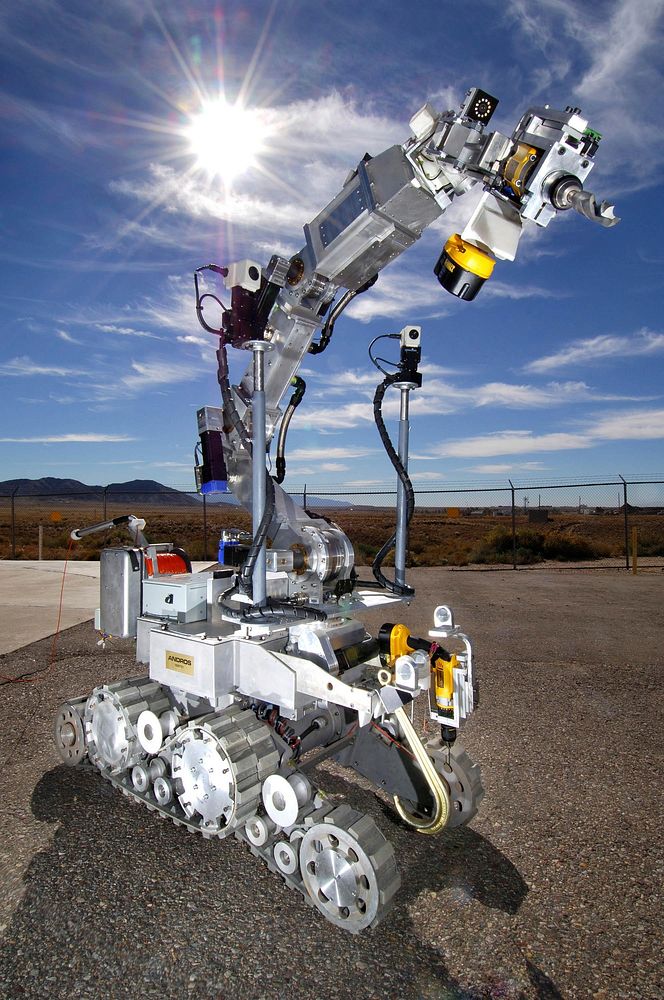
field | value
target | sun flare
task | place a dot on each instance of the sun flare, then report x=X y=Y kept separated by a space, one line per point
x=226 y=139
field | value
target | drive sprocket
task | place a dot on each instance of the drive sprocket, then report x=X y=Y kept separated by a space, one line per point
x=219 y=763
x=111 y=714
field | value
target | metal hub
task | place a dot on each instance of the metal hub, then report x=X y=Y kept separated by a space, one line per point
x=111 y=715
x=218 y=765
x=348 y=869
x=70 y=735
x=204 y=773
x=337 y=880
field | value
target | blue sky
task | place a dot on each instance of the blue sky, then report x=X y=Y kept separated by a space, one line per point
x=556 y=370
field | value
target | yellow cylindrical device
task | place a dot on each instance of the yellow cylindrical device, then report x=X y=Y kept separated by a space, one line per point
x=462 y=268
x=443 y=680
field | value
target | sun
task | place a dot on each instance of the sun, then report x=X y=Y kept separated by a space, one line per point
x=226 y=139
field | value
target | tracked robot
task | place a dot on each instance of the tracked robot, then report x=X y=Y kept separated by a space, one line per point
x=256 y=670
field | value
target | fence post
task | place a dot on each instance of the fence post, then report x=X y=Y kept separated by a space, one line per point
x=14 y=523
x=626 y=521
x=205 y=538
x=105 y=492
x=513 y=524
x=304 y=496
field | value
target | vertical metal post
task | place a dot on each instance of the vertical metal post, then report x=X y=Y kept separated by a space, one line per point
x=14 y=523
x=40 y=545
x=513 y=524
x=626 y=522
x=205 y=537
x=635 y=546
x=105 y=518
x=259 y=489
x=401 y=544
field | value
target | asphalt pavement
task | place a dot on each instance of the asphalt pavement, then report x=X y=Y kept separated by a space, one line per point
x=553 y=891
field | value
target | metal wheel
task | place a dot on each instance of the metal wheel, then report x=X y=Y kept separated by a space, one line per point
x=348 y=869
x=463 y=778
x=111 y=715
x=217 y=766
x=69 y=733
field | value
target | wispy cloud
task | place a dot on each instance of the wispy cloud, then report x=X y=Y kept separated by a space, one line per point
x=442 y=396
x=502 y=468
x=67 y=337
x=334 y=417
x=68 y=439
x=618 y=45
x=25 y=366
x=126 y=331
x=634 y=425
x=352 y=451
x=592 y=349
x=516 y=442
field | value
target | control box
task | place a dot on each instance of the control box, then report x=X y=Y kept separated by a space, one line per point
x=181 y=597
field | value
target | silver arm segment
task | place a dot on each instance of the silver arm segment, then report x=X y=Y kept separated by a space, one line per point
x=383 y=207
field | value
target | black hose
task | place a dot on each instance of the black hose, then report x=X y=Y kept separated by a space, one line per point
x=249 y=563
x=402 y=590
x=274 y=611
x=295 y=400
x=328 y=328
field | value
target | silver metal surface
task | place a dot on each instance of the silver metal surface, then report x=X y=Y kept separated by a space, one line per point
x=120 y=574
x=259 y=829
x=181 y=597
x=111 y=715
x=286 y=857
x=348 y=869
x=69 y=732
x=218 y=765
x=462 y=776
x=163 y=790
x=204 y=773
x=258 y=444
x=140 y=778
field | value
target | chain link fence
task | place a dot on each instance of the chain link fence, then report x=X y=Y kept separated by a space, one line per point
x=612 y=522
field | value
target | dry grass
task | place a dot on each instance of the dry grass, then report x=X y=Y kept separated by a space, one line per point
x=435 y=538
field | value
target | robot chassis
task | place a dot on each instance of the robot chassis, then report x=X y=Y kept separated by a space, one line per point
x=257 y=670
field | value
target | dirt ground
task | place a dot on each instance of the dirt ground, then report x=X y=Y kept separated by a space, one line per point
x=552 y=892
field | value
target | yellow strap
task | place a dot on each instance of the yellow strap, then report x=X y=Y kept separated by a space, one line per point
x=436 y=785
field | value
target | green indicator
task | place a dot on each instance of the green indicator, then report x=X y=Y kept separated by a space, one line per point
x=596 y=136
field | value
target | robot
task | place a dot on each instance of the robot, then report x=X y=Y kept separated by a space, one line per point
x=256 y=670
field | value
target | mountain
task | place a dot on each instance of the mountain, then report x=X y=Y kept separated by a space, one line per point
x=134 y=491
x=48 y=486
x=141 y=491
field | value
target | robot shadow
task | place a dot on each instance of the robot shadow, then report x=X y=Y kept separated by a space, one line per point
x=113 y=868
x=460 y=860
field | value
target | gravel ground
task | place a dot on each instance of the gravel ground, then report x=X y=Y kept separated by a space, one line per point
x=551 y=892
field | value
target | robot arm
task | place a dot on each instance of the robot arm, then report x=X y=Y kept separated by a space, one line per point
x=383 y=207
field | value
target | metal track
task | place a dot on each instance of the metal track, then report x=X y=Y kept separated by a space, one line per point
x=250 y=745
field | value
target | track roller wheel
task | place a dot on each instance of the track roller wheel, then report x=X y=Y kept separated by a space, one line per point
x=348 y=869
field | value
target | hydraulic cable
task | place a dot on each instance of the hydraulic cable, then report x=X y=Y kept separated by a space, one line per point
x=273 y=611
x=300 y=387
x=259 y=538
x=335 y=313
x=402 y=590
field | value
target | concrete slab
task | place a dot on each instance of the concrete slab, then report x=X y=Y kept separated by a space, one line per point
x=30 y=598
